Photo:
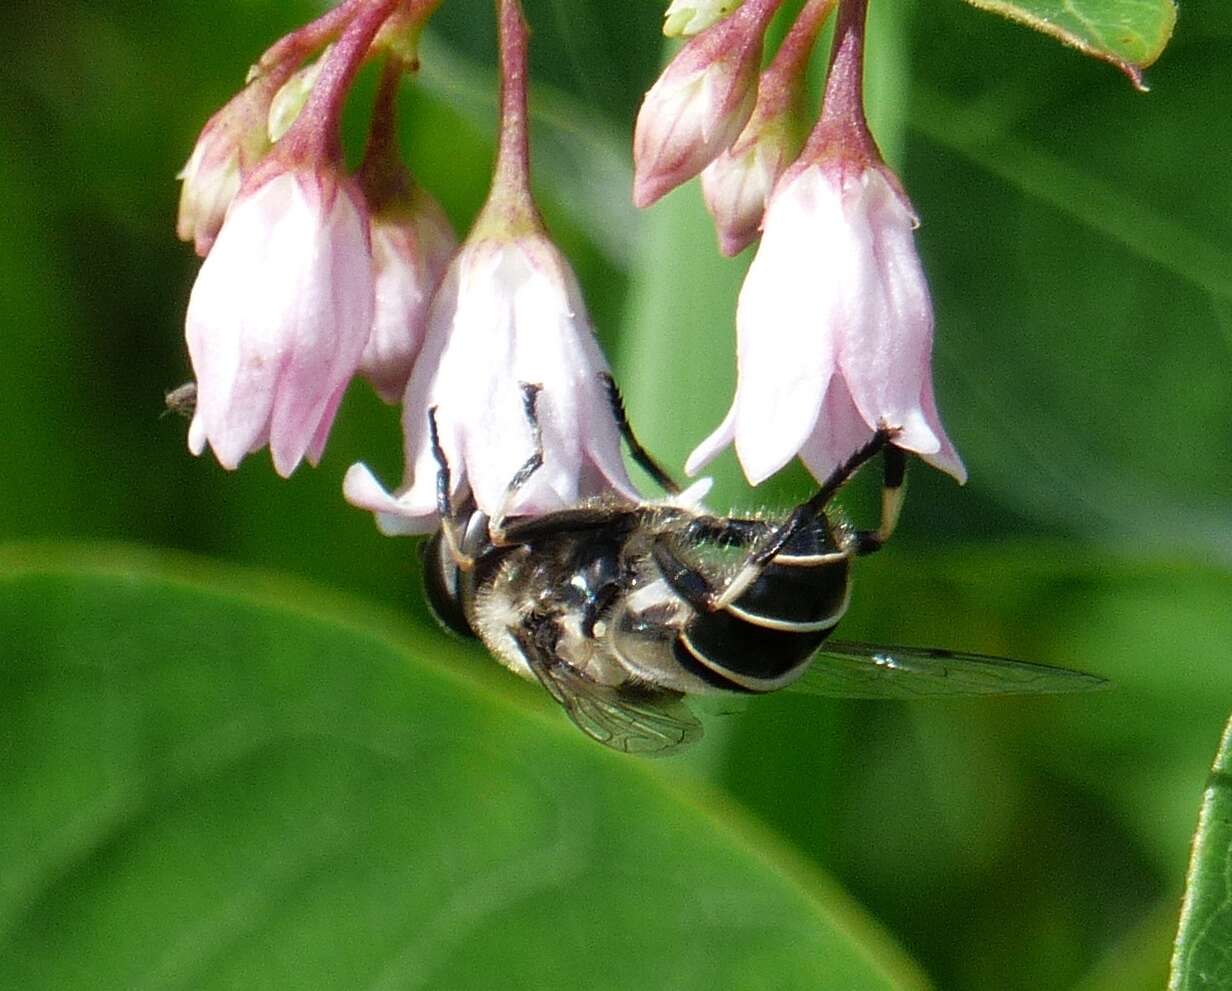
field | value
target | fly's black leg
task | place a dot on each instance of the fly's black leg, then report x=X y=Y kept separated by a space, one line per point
x=693 y=587
x=639 y=454
x=803 y=514
x=892 y=491
x=530 y=396
x=689 y=583
x=450 y=523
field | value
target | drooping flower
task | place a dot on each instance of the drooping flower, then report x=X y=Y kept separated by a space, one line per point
x=509 y=313
x=282 y=307
x=279 y=317
x=700 y=103
x=737 y=184
x=411 y=249
x=506 y=327
x=834 y=321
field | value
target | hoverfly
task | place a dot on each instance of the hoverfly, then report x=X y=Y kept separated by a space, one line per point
x=623 y=610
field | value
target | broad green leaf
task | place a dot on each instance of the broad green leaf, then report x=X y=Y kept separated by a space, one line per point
x=1053 y=824
x=1203 y=956
x=1130 y=34
x=214 y=780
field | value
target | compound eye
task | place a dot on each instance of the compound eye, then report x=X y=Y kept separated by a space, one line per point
x=441 y=586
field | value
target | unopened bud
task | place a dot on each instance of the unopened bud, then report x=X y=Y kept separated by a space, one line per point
x=291 y=97
x=228 y=148
x=700 y=103
x=687 y=17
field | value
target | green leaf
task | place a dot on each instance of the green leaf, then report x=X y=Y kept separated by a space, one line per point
x=215 y=780
x=1203 y=954
x=1130 y=34
x=1055 y=826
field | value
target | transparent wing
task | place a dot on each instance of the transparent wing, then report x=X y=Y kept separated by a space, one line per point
x=872 y=671
x=651 y=724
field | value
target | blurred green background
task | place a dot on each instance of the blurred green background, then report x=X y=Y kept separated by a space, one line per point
x=1077 y=237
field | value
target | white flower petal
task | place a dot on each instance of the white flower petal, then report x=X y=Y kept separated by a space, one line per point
x=361 y=488
x=712 y=446
x=279 y=316
x=507 y=314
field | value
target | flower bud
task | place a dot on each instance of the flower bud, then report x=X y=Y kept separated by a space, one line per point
x=228 y=148
x=737 y=185
x=412 y=243
x=279 y=316
x=685 y=18
x=700 y=103
x=291 y=97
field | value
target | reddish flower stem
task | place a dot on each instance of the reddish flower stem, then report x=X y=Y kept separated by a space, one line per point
x=510 y=206
x=783 y=79
x=299 y=44
x=842 y=132
x=382 y=175
x=513 y=156
x=315 y=133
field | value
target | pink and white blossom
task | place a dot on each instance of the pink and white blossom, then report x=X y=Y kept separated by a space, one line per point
x=279 y=316
x=509 y=312
x=700 y=103
x=412 y=243
x=834 y=330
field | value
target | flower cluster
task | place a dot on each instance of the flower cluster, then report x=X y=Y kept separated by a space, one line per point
x=313 y=274
x=310 y=274
x=834 y=322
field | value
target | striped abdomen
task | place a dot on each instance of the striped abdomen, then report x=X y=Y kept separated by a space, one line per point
x=764 y=638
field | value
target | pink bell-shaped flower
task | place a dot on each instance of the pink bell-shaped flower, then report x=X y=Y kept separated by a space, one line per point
x=279 y=317
x=282 y=307
x=508 y=314
x=834 y=323
x=411 y=248
x=508 y=342
x=835 y=329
